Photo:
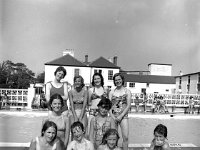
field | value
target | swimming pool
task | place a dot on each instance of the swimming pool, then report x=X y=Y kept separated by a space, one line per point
x=20 y=127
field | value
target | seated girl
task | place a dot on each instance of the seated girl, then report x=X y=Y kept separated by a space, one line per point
x=110 y=140
x=79 y=142
x=48 y=139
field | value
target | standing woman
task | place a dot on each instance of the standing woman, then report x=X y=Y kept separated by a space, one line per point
x=121 y=102
x=96 y=92
x=56 y=86
x=62 y=122
x=78 y=101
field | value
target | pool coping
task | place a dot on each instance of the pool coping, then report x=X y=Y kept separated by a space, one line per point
x=131 y=115
x=12 y=144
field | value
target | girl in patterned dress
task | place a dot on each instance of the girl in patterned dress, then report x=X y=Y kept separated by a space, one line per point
x=121 y=103
x=101 y=123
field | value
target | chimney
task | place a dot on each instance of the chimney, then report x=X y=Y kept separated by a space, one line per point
x=68 y=51
x=86 y=58
x=115 y=60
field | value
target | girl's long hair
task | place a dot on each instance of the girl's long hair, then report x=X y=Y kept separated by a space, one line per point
x=108 y=133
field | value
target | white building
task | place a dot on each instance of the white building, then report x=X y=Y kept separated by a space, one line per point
x=85 y=69
x=160 y=69
x=157 y=81
x=150 y=83
x=188 y=83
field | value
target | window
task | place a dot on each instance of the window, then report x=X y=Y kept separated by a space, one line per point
x=189 y=80
x=110 y=74
x=99 y=71
x=147 y=85
x=131 y=84
x=199 y=77
x=76 y=72
x=188 y=85
x=180 y=80
x=198 y=86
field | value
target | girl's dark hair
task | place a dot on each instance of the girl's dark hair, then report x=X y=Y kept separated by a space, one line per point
x=161 y=129
x=105 y=102
x=100 y=75
x=47 y=125
x=77 y=124
x=118 y=74
x=82 y=80
x=56 y=96
x=61 y=69
x=108 y=133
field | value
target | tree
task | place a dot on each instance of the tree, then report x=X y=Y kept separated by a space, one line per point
x=40 y=77
x=15 y=75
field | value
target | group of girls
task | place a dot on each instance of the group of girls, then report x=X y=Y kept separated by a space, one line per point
x=107 y=111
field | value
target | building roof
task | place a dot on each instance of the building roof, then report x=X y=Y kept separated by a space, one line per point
x=149 y=79
x=159 y=64
x=101 y=62
x=66 y=60
x=188 y=74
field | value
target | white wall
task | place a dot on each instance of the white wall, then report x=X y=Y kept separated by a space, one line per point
x=193 y=84
x=156 y=69
x=160 y=88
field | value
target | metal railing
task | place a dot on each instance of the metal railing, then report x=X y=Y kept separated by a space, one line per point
x=19 y=97
x=169 y=99
x=15 y=97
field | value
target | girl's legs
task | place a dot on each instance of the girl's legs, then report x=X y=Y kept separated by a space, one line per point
x=88 y=126
x=192 y=109
x=137 y=108
x=85 y=123
x=189 y=108
x=145 y=107
x=124 y=129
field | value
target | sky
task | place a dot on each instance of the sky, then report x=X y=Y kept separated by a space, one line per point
x=138 y=32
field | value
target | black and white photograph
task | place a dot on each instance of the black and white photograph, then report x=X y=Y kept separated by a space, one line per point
x=99 y=74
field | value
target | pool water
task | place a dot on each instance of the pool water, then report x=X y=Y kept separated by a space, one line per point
x=181 y=128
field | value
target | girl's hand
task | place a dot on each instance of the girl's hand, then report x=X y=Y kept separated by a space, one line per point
x=117 y=120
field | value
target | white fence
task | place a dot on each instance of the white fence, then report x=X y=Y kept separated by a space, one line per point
x=16 y=97
x=19 y=97
x=178 y=100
